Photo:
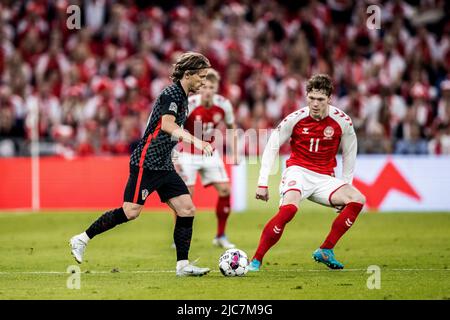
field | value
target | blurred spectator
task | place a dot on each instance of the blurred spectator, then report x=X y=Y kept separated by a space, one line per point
x=410 y=136
x=96 y=13
x=386 y=109
x=374 y=143
x=443 y=113
x=440 y=144
x=72 y=106
x=355 y=104
x=11 y=130
x=48 y=108
x=421 y=107
x=387 y=64
x=52 y=64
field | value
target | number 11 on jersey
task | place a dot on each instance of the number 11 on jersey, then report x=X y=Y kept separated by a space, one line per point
x=311 y=145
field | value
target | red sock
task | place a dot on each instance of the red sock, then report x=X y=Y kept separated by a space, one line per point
x=274 y=229
x=222 y=213
x=341 y=224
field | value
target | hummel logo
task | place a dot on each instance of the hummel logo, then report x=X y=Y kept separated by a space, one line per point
x=348 y=222
x=305 y=130
x=276 y=230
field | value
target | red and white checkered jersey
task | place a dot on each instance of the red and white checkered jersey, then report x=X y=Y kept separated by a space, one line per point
x=314 y=143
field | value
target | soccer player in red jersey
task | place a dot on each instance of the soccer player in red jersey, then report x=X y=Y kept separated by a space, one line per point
x=206 y=111
x=315 y=132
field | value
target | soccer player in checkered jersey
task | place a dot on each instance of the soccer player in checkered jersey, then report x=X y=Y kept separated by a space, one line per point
x=151 y=167
x=206 y=111
x=315 y=133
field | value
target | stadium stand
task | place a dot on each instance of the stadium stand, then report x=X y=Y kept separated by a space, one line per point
x=94 y=87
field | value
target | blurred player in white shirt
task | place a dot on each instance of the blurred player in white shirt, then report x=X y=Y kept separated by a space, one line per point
x=206 y=111
x=315 y=133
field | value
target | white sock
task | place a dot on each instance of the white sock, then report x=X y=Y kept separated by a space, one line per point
x=182 y=263
x=84 y=237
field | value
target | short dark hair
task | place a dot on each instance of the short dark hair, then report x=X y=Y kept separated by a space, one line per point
x=189 y=62
x=320 y=82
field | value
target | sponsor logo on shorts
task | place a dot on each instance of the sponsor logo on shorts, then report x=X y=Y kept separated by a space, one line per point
x=328 y=132
x=291 y=183
x=144 y=194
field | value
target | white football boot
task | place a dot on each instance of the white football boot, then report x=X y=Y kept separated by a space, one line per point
x=78 y=246
x=189 y=269
x=223 y=242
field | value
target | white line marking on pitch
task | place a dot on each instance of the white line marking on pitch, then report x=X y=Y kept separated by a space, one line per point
x=173 y=271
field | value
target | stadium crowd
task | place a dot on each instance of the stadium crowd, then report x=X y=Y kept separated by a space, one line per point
x=94 y=86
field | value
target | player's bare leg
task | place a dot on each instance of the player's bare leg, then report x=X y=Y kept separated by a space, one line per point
x=128 y=211
x=222 y=213
x=274 y=228
x=351 y=201
x=182 y=235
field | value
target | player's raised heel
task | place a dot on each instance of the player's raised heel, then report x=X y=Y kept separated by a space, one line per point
x=254 y=265
x=326 y=256
x=223 y=242
x=77 y=246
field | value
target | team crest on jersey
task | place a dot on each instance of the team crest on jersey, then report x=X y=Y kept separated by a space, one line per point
x=173 y=107
x=291 y=183
x=305 y=131
x=328 y=132
x=217 y=117
x=144 y=194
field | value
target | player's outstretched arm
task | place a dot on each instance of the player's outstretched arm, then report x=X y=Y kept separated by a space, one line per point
x=277 y=138
x=169 y=126
x=349 y=151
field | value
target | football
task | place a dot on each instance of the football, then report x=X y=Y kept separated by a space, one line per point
x=233 y=262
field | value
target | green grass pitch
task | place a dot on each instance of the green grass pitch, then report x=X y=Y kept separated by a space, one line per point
x=136 y=261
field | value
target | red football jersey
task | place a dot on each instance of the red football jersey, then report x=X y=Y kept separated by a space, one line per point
x=202 y=121
x=314 y=143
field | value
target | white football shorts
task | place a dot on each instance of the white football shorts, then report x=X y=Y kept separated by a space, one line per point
x=312 y=185
x=211 y=169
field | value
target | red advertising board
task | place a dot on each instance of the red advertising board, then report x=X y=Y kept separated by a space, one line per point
x=80 y=183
